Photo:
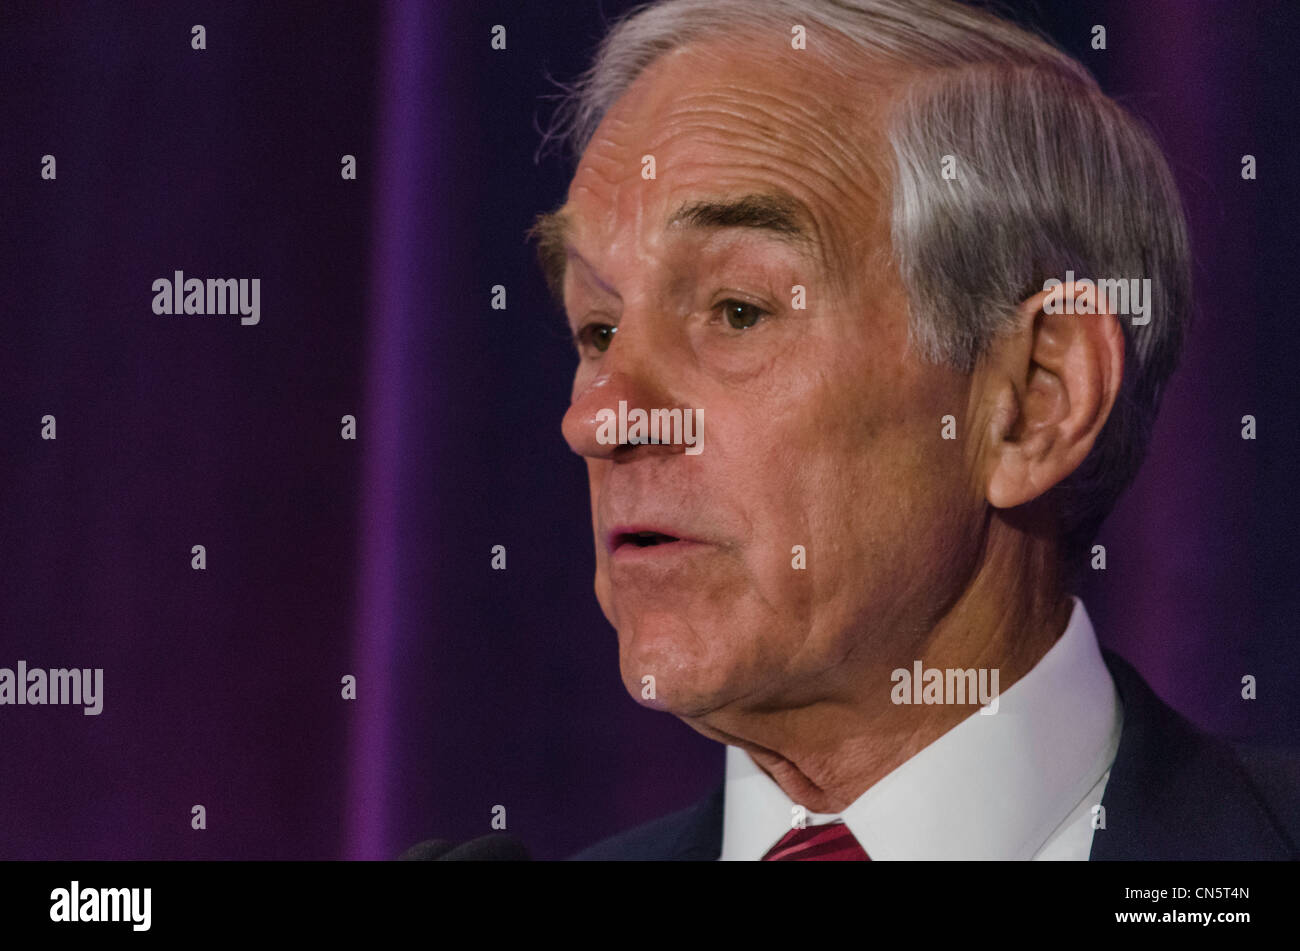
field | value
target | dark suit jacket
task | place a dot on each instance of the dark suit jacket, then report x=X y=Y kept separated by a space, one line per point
x=1174 y=793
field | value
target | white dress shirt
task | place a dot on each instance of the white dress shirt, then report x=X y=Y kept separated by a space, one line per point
x=1017 y=784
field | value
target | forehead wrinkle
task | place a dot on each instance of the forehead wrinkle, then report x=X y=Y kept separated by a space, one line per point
x=795 y=109
x=768 y=163
x=788 y=135
x=605 y=159
x=838 y=173
x=834 y=172
x=752 y=104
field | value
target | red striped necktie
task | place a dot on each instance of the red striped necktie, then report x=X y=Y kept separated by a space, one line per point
x=832 y=842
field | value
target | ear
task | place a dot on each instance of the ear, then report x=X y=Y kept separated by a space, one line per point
x=1052 y=385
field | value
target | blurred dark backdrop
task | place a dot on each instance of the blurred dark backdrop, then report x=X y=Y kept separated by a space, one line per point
x=328 y=557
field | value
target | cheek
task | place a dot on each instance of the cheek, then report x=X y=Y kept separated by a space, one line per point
x=861 y=479
x=902 y=516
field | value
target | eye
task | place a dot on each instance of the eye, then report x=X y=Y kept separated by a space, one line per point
x=740 y=315
x=594 y=337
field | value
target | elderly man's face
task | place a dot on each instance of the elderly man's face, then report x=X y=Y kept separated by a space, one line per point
x=821 y=429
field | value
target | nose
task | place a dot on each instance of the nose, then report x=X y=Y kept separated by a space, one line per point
x=633 y=373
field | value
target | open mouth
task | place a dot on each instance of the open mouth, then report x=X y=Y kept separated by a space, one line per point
x=642 y=539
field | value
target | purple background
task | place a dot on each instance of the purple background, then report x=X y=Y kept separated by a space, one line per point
x=327 y=557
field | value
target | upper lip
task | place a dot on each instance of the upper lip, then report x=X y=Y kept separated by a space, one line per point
x=622 y=534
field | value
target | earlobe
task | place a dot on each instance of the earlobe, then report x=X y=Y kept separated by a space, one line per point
x=1006 y=487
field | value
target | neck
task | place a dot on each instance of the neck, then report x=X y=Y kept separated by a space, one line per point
x=826 y=754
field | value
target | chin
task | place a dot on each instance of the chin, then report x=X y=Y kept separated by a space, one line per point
x=689 y=681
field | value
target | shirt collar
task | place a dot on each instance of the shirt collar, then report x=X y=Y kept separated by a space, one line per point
x=992 y=787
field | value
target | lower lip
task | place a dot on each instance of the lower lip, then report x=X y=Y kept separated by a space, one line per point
x=630 y=552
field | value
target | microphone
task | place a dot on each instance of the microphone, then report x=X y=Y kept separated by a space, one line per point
x=426 y=851
x=499 y=847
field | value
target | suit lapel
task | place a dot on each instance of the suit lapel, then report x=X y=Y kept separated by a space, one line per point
x=1176 y=793
x=700 y=838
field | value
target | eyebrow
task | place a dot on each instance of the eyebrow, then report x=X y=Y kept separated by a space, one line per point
x=778 y=214
x=551 y=232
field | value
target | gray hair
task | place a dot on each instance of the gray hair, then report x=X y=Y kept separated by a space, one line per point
x=1054 y=176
